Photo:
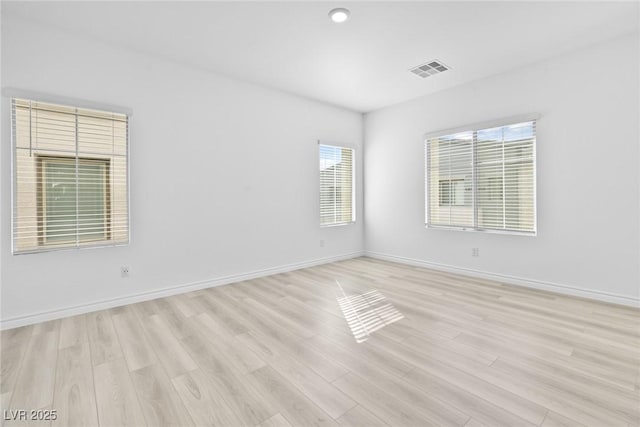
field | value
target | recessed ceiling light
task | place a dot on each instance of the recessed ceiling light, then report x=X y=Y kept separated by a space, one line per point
x=339 y=14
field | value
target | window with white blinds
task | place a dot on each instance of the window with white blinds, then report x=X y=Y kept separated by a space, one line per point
x=482 y=179
x=70 y=183
x=336 y=185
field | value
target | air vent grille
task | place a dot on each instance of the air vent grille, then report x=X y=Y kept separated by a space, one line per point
x=429 y=68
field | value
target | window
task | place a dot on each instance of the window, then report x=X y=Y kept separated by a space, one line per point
x=336 y=185
x=482 y=178
x=70 y=177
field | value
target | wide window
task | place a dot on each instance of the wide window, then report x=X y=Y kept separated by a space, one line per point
x=336 y=185
x=482 y=178
x=70 y=177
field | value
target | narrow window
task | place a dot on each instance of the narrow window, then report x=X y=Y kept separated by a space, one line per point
x=336 y=185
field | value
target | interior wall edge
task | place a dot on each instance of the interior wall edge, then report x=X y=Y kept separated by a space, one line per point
x=44 y=316
x=513 y=280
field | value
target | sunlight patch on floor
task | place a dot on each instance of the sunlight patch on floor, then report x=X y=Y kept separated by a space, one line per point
x=366 y=313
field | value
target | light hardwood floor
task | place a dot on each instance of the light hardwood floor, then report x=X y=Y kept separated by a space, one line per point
x=278 y=351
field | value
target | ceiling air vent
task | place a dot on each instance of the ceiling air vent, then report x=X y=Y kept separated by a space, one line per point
x=429 y=68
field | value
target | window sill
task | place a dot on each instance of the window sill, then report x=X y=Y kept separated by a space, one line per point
x=53 y=248
x=482 y=230
x=340 y=224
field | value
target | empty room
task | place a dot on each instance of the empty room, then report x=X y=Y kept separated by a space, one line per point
x=358 y=213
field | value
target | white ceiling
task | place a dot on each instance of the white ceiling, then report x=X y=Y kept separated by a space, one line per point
x=361 y=64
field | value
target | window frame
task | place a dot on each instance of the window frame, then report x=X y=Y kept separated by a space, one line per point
x=11 y=93
x=535 y=117
x=353 y=183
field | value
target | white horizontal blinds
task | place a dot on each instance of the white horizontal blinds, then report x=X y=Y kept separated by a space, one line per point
x=70 y=183
x=483 y=179
x=336 y=185
x=449 y=180
x=506 y=178
x=71 y=209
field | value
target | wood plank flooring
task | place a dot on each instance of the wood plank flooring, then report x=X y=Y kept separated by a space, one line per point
x=278 y=351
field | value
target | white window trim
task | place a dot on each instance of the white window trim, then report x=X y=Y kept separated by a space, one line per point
x=485 y=125
x=11 y=92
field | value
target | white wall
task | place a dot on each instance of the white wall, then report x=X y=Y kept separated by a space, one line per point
x=224 y=180
x=224 y=175
x=588 y=181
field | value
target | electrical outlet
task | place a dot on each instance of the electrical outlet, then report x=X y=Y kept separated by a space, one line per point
x=322 y=243
x=475 y=252
x=124 y=271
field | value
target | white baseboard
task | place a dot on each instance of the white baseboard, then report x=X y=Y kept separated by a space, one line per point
x=44 y=316
x=513 y=280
